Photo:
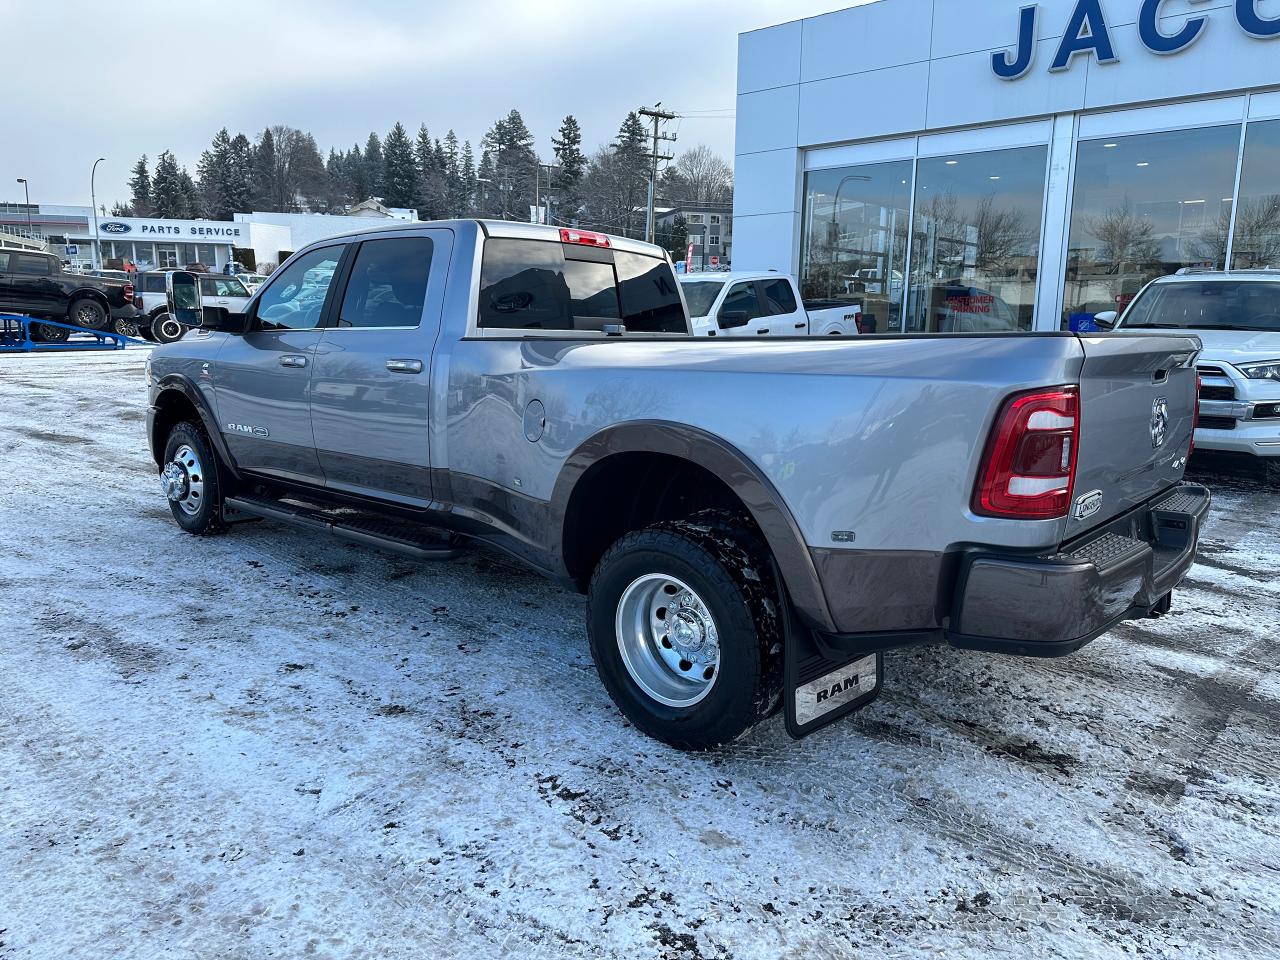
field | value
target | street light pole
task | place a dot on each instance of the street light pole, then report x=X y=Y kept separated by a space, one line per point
x=31 y=230
x=93 y=199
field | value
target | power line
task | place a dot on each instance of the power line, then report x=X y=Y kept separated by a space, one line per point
x=657 y=116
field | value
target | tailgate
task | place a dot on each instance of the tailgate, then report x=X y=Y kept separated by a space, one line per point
x=1137 y=415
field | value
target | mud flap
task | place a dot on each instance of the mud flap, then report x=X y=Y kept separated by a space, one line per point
x=822 y=684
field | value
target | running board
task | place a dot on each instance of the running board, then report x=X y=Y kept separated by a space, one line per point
x=354 y=525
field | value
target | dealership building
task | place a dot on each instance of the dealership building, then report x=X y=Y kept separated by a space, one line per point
x=160 y=243
x=996 y=165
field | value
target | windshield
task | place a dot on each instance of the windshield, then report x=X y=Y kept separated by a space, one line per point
x=1210 y=305
x=700 y=295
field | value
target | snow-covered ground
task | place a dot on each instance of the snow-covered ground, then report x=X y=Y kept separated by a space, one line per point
x=264 y=745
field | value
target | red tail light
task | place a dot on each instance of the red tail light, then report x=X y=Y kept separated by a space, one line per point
x=1029 y=468
x=585 y=237
x=1195 y=419
x=128 y=290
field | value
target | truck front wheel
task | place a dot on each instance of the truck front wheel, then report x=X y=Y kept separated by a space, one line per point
x=685 y=628
x=190 y=481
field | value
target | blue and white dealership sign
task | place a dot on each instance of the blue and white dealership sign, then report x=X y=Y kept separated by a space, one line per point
x=192 y=230
x=1088 y=34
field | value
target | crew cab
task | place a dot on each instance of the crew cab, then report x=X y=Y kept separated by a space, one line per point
x=763 y=305
x=216 y=290
x=36 y=284
x=1236 y=315
x=753 y=524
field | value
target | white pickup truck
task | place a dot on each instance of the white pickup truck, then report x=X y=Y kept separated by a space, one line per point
x=763 y=305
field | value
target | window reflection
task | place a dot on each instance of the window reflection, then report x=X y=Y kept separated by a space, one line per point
x=976 y=251
x=855 y=239
x=1257 y=239
x=1146 y=206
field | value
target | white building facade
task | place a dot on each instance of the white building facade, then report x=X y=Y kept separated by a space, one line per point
x=975 y=165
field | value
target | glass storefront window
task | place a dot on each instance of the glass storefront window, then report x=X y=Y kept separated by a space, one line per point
x=166 y=255
x=1146 y=206
x=205 y=254
x=1257 y=238
x=976 y=250
x=855 y=239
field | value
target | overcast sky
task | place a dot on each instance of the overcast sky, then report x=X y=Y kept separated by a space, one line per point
x=118 y=80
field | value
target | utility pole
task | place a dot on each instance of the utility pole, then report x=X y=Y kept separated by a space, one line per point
x=657 y=116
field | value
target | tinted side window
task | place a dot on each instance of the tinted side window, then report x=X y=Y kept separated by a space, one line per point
x=207 y=287
x=779 y=298
x=153 y=283
x=32 y=265
x=295 y=298
x=649 y=295
x=742 y=299
x=4 y=261
x=388 y=285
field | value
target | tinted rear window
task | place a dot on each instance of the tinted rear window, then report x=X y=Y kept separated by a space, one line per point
x=537 y=285
x=152 y=282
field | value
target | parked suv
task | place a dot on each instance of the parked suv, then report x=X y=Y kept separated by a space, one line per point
x=35 y=284
x=216 y=290
x=1236 y=315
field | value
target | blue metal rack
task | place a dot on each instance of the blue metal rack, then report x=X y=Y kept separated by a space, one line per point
x=16 y=336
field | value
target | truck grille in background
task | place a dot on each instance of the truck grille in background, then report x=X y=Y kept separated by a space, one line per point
x=1217 y=423
x=1215 y=391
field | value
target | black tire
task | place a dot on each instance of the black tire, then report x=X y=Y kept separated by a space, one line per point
x=48 y=333
x=87 y=312
x=165 y=329
x=128 y=328
x=206 y=517
x=729 y=569
x=1271 y=470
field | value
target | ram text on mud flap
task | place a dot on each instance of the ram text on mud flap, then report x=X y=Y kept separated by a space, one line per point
x=820 y=697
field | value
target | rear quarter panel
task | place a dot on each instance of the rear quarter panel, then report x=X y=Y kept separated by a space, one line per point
x=877 y=437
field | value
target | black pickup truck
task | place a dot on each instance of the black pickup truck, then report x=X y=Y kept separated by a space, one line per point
x=35 y=284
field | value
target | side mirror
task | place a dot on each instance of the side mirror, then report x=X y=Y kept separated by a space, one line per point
x=733 y=318
x=1106 y=320
x=182 y=291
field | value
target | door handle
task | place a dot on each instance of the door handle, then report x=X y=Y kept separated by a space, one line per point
x=801 y=326
x=293 y=360
x=404 y=366
x=762 y=333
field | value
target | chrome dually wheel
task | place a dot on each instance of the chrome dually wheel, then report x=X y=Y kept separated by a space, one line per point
x=668 y=640
x=183 y=480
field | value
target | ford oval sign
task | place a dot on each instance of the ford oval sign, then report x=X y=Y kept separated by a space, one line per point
x=115 y=226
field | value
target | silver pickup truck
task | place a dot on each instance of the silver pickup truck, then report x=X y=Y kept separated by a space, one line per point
x=754 y=523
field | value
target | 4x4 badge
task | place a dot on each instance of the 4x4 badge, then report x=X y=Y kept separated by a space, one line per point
x=1159 y=422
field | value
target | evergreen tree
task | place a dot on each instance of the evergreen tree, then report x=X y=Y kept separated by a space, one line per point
x=515 y=165
x=631 y=156
x=239 y=195
x=264 y=173
x=192 y=205
x=374 y=166
x=400 y=173
x=357 y=174
x=140 y=185
x=466 y=197
x=448 y=160
x=571 y=167
x=119 y=209
x=214 y=170
x=488 y=198
x=167 y=197
x=432 y=184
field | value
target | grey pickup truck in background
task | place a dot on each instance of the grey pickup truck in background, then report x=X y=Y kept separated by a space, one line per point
x=753 y=523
